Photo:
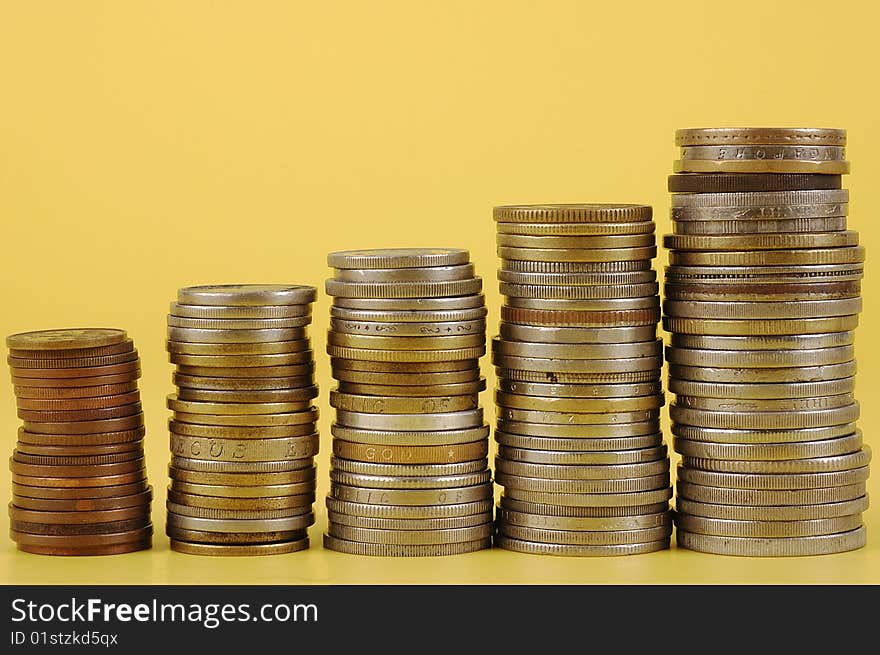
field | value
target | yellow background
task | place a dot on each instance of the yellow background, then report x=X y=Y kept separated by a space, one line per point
x=146 y=146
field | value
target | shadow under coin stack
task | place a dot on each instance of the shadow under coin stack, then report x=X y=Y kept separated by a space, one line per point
x=580 y=452
x=410 y=473
x=78 y=479
x=762 y=296
x=243 y=434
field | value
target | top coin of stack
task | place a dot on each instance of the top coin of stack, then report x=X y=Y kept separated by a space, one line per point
x=410 y=470
x=762 y=296
x=580 y=453
x=243 y=434
x=78 y=478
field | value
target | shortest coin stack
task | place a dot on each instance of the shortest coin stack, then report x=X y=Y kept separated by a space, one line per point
x=410 y=471
x=243 y=432
x=78 y=479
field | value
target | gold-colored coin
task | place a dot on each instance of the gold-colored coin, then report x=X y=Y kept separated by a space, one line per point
x=574 y=213
x=578 y=254
x=736 y=136
x=398 y=258
x=247 y=295
x=576 y=242
x=387 y=290
x=66 y=339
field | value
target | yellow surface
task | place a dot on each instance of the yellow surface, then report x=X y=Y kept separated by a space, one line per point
x=146 y=146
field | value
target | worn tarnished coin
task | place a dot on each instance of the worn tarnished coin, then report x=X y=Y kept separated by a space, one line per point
x=588 y=242
x=768 y=514
x=398 y=258
x=773 y=546
x=246 y=550
x=388 y=290
x=220 y=312
x=846 y=462
x=573 y=446
x=406 y=550
x=769 y=452
x=576 y=229
x=793 y=136
x=574 y=213
x=66 y=339
x=750 y=182
x=578 y=255
x=571 y=550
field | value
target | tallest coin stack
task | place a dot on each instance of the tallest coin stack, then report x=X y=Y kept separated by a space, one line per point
x=762 y=296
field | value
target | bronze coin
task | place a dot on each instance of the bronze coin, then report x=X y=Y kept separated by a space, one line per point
x=237 y=384
x=75 y=415
x=80 y=482
x=342 y=364
x=302 y=357
x=65 y=404
x=128 y=448
x=51 y=471
x=77 y=541
x=87 y=427
x=64 y=505
x=79 y=529
x=234 y=538
x=64 y=383
x=124 y=346
x=239 y=431
x=76 y=460
x=91 y=551
x=96 y=439
x=75 y=373
x=66 y=338
x=70 y=393
x=71 y=363
x=82 y=493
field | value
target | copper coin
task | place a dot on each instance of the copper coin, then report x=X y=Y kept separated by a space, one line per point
x=79 y=529
x=124 y=346
x=96 y=439
x=66 y=338
x=87 y=427
x=234 y=538
x=76 y=460
x=82 y=493
x=91 y=551
x=130 y=449
x=64 y=506
x=80 y=482
x=71 y=393
x=65 y=404
x=98 y=381
x=76 y=415
x=74 y=373
x=302 y=394
x=77 y=541
x=71 y=471
x=245 y=479
x=71 y=363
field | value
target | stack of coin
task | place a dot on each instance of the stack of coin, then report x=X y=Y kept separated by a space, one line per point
x=79 y=486
x=580 y=452
x=243 y=431
x=761 y=297
x=410 y=471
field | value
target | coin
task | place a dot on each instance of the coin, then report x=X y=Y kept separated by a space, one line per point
x=577 y=351
x=577 y=254
x=71 y=362
x=414 y=356
x=197 y=335
x=402 y=405
x=367 y=481
x=801 y=136
x=765 y=342
x=238 y=323
x=579 y=471
x=575 y=335
x=797 y=435
x=240 y=525
x=633 y=456
x=576 y=446
x=746 y=327
x=407 y=550
x=409 y=512
x=768 y=514
x=765 y=404
x=595 y=391
x=576 y=242
x=582 y=292
x=64 y=339
x=407 y=329
x=577 y=229
x=563 y=430
x=413 y=391
x=757 y=165
x=398 y=258
x=513 y=484
x=302 y=358
x=760 y=226
x=388 y=290
x=764 y=452
x=579 y=550
x=436 y=421
x=295 y=344
x=747 y=391
x=228 y=312
x=769 y=497
x=451 y=304
x=777 y=241
x=249 y=550
x=411 y=437
x=247 y=295
x=405 y=343
x=845 y=462
x=590 y=499
x=773 y=547
x=759 y=358
x=771 y=375
x=594 y=524
x=580 y=318
x=749 y=182
x=419 y=525
x=409 y=470
x=381 y=317
x=808 y=257
x=418 y=274
x=586 y=366
x=764 y=151
x=577 y=279
x=248 y=450
x=578 y=405
x=575 y=213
